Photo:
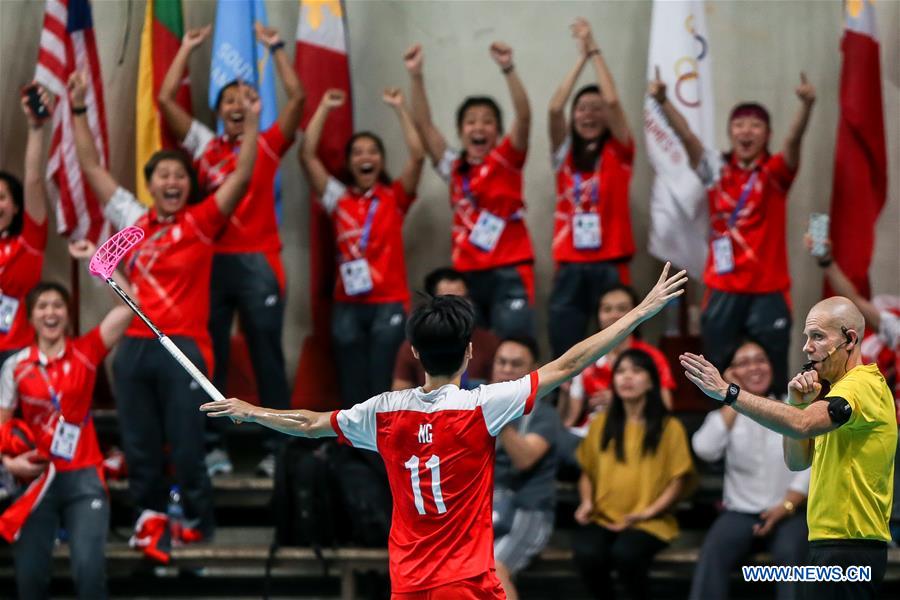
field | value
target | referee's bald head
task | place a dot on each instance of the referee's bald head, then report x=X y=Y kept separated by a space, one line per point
x=839 y=313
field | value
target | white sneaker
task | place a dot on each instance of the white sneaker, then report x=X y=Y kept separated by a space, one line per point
x=218 y=463
x=266 y=466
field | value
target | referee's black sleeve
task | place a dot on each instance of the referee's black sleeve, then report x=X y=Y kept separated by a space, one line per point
x=839 y=410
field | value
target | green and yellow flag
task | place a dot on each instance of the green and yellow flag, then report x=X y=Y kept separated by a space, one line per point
x=160 y=39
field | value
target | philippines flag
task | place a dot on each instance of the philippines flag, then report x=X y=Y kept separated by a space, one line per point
x=859 y=187
x=322 y=62
x=68 y=45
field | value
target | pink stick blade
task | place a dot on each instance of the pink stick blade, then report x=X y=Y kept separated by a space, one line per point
x=107 y=256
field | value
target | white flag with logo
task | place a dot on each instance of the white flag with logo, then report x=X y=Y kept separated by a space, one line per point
x=679 y=219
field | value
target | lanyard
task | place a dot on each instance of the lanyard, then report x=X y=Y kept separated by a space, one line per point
x=56 y=398
x=467 y=191
x=595 y=191
x=745 y=193
x=367 y=227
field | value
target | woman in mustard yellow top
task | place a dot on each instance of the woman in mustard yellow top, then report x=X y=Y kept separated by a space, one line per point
x=636 y=463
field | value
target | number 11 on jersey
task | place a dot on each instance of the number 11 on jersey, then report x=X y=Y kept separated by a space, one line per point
x=434 y=465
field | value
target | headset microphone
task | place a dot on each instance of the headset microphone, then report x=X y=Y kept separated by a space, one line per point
x=808 y=366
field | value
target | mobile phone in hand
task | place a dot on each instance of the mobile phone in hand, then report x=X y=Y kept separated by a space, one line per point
x=818 y=232
x=38 y=108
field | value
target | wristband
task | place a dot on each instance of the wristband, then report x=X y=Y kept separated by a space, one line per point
x=79 y=110
x=825 y=262
x=276 y=46
x=594 y=52
x=732 y=394
x=508 y=69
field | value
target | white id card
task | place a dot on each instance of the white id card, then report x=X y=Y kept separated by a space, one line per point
x=723 y=255
x=586 y=231
x=65 y=440
x=9 y=306
x=487 y=231
x=356 y=277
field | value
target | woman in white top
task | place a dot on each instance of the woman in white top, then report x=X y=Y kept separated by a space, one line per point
x=762 y=498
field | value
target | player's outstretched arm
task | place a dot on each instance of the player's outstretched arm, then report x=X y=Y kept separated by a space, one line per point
x=302 y=423
x=586 y=352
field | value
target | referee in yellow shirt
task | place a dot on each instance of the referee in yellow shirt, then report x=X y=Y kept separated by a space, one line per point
x=849 y=438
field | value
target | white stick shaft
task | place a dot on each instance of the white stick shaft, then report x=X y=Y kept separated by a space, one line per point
x=188 y=366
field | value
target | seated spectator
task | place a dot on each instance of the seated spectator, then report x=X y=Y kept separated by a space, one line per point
x=408 y=371
x=53 y=448
x=636 y=465
x=524 y=470
x=591 y=391
x=762 y=496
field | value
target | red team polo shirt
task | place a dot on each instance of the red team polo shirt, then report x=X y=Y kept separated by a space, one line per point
x=759 y=229
x=71 y=375
x=252 y=226
x=496 y=186
x=21 y=261
x=383 y=250
x=598 y=376
x=438 y=449
x=170 y=268
x=603 y=191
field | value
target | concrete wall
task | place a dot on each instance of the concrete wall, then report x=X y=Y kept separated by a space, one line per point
x=758 y=50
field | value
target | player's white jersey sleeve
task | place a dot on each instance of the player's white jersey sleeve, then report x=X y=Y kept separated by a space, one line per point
x=357 y=425
x=507 y=401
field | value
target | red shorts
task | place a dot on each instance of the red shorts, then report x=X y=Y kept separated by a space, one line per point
x=480 y=587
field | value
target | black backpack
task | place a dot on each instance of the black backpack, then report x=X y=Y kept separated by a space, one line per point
x=365 y=495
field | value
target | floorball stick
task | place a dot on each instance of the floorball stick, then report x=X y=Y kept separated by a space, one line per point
x=103 y=264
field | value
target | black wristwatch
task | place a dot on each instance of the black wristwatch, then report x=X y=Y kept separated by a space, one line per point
x=732 y=394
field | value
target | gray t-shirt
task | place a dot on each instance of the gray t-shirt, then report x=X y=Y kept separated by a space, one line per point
x=534 y=489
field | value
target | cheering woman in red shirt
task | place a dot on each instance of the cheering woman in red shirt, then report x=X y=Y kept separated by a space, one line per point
x=490 y=241
x=367 y=210
x=592 y=158
x=169 y=270
x=50 y=384
x=23 y=235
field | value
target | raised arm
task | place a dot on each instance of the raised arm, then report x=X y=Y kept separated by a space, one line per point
x=615 y=116
x=842 y=285
x=301 y=423
x=289 y=117
x=788 y=420
x=178 y=119
x=235 y=186
x=116 y=321
x=315 y=169
x=521 y=126
x=435 y=143
x=692 y=144
x=35 y=192
x=412 y=170
x=807 y=95
x=556 y=112
x=98 y=177
x=581 y=355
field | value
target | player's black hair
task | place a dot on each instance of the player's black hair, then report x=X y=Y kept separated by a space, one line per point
x=221 y=94
x=471 y=102
x=655 y=412
x=440 y=330
x=442 y=274
x=14 y=187
x=523 y=340
x=584 y=158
